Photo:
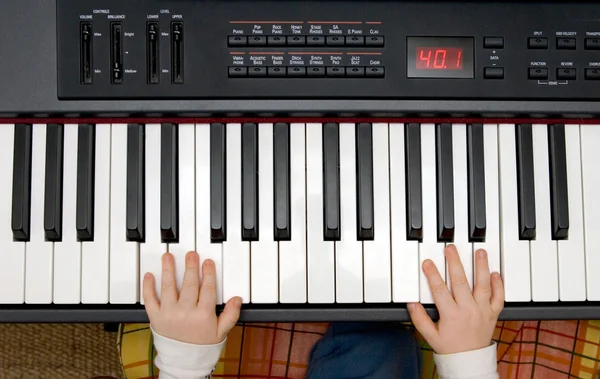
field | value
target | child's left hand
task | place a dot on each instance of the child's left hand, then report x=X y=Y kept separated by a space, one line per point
x=189 y=316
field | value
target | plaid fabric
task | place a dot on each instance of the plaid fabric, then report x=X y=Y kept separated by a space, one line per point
x=526 y=349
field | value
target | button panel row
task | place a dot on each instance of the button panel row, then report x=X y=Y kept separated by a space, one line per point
x=541 y=73
x=302 y=72
x=313 y=41
x=563 y=43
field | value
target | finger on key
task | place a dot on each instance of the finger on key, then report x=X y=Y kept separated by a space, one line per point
x=483 y=289
x=229 y=317
x=168 y=287
x=439 y=290
x=458 y=279
x=151 y=302
x=423 y=323
x=497 y=293
x=190 y=288
x=208 y=288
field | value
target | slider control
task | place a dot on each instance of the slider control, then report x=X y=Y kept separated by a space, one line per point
x=116 y=52
x=152 y=60
x=177 y=52
x=85 y=36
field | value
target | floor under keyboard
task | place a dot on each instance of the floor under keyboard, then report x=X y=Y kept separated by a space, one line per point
x=58 y=351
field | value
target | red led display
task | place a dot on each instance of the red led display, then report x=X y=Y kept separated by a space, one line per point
x=439 y=58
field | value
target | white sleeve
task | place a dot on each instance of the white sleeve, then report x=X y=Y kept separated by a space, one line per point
x=180 y=360
x=474 y=364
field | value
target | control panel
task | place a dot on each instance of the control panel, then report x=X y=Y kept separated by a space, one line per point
x=311 y=49
x=168 y=49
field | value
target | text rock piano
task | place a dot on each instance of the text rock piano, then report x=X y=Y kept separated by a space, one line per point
x=317 y=155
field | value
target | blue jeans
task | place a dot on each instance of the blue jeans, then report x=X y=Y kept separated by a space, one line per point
x=365 y=350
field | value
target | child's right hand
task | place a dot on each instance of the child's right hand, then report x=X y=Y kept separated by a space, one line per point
x=189 y=316
x=466 y=320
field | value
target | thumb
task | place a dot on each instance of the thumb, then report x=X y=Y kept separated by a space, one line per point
x=229 y=317
x=423 y=323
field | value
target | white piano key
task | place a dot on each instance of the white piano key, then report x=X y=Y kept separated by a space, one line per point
x=292 y=254
x=95 y=254
x=514 y=252
x=263 y=253
x=152 y=249
x=236 y=253
x=461 y=201
x=321 y=265
x=348 y=251
x=377 y=253
x=492 y=198
x=40 y=254
x=187 y=206
x=124 y=255
x=405 y=253
x=12 y=254
x=572 y=251
x=590 y=156
x=543 y=250
x=67 y=253
x=430 y=248
x=204 y=247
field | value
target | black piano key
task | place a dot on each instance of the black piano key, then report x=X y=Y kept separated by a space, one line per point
x=445 y=182
x=476 y=173
x=525 y=182
x=169 y=183
x=249 y=182
x=135 y=213
x=86 y=163
x=281 y=182
x=364 y=180
x=414 y=192
x=21 y=191
x=53 y=191
x=558 y=182
x=218 y=231
x=331 y=181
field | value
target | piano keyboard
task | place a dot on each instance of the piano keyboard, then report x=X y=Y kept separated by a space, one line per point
x=297 y=213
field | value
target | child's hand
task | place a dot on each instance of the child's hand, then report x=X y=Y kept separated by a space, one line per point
x=190 y=316
x=467 y=320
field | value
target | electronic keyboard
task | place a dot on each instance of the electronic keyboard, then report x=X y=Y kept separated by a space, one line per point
x=317 y=151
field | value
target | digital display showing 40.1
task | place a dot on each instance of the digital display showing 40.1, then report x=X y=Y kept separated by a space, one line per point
x=440 y=57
